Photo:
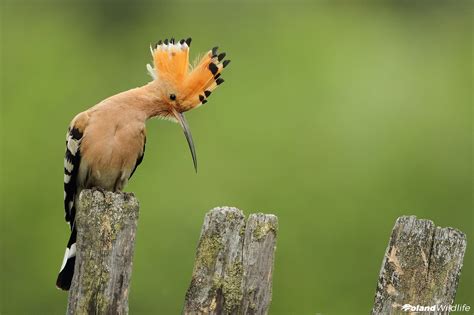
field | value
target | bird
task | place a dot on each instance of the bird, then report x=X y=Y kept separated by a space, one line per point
x=106 y=143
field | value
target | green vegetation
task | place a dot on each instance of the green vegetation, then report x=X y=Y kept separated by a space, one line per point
x=337 y=117
x=231 y=287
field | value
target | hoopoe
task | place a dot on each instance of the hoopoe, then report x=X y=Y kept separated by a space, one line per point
x=106 y=143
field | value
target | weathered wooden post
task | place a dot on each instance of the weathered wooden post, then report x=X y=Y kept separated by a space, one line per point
x=258 y=257
x=232 y=273
x=234 y=264
x=106 y=223
x=421 y=267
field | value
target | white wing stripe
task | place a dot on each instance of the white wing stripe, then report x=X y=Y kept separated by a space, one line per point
x=68 y=165
x=73 y=145
x=67 y=178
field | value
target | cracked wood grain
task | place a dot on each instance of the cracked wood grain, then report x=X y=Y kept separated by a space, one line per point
x=106 y=226
x=234 y=264
x=258 y=257
x=421 y=266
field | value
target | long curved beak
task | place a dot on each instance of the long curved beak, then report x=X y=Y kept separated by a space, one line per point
x=184 y=124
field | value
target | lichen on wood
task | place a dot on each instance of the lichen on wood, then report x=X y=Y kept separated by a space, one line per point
x=218 y=252
x=421 y=266
x=258 y=257
x=223 y=270
x=106 y=225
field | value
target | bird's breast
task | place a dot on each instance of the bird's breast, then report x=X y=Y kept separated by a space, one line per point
x=109 y=154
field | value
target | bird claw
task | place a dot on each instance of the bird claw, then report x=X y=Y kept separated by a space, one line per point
x=102 y=190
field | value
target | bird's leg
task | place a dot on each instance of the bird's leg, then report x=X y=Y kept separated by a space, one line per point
x=102 y=190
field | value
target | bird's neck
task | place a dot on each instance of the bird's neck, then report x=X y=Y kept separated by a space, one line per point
x=143 y=101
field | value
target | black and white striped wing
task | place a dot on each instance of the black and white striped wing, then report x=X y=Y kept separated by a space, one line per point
x=72 y=162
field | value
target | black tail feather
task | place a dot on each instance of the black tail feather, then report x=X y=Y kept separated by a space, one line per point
x=65 y=275
x=67 y=270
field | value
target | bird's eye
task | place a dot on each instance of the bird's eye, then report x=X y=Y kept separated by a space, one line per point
x=172 y=97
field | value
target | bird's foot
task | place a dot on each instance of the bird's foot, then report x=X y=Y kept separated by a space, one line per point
x=102 y=190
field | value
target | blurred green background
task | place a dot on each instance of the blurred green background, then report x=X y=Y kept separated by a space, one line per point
x=338 y=117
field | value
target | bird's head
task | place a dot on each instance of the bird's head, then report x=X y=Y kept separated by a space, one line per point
x=180 y=87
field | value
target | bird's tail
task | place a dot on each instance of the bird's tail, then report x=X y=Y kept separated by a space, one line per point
x=67 y=268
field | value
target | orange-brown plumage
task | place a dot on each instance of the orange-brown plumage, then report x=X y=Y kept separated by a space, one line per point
x=106 y=143
x=171 y=64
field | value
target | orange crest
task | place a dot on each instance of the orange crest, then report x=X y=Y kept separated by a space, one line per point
x=192 y=86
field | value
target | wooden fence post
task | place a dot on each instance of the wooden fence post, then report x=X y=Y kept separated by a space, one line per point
x=234 y=264
x=106 y=223
x=258 y=256
x=234 y=261
x=421 y=266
